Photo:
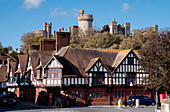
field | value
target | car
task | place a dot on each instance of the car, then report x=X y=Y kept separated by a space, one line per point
x=7 y=99
x=143 y=100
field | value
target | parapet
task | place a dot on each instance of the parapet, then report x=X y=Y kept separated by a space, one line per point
x=85 y=17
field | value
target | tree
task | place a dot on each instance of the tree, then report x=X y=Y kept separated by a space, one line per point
x=155 y=58
x=29 y=38
x=103 y=40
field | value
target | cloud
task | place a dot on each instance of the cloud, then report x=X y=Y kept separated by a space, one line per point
x=32 y=4
x=62 y=12
x=58 y=11
x=126 y=7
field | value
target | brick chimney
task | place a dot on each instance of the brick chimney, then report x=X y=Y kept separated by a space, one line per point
x=47 y=44
x=62 y=38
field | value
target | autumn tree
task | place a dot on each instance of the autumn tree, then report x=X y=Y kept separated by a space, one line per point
x=155 y=58
x=29 y=38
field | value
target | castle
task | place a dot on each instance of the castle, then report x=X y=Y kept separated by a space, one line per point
x=46 y=32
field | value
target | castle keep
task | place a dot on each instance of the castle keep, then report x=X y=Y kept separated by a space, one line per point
x=84 y=21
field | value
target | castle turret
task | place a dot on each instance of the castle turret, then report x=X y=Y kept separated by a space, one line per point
x=113 y=27
x=49 y=25
x=127 y=28
x=84 y=21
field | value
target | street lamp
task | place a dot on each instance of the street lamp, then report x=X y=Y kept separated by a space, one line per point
x=125 y=75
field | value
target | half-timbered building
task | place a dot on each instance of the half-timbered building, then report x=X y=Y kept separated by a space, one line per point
x=104 y=75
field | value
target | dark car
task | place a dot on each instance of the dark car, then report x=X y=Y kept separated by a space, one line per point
x=143 y=100
x=7 y=99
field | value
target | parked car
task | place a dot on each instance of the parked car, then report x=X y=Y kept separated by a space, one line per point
x=7 y=99
x=143 y=100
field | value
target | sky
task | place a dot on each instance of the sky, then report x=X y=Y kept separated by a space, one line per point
x=21 y=16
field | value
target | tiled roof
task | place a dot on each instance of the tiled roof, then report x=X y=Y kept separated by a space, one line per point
x=23 y=59
x=3 y=73
x=79 y=59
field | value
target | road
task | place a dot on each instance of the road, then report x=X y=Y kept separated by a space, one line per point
x=24 y=108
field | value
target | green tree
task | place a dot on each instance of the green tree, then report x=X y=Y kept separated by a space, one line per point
x=155 y=58
x=103 y=40
x=29 y=38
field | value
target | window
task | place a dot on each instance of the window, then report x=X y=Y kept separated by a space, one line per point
x=97 y=94
x=100 y=94
x=122 y=94
x=55 y=70
x=93 y=94
x=138 y=92
x=59 y=75
x=55 y=75
x=72 y=94
x=115 y=94
x=52 y=75
x=49 y=75
x=134 y=93
x=119 y=94
x=81 y=95
x=141 y=93
x=130 y=61
x=77 y=93
x=98 y=78
x=52 y=70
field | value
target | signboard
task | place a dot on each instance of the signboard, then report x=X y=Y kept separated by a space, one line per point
x=50 y=98
x=43 y=86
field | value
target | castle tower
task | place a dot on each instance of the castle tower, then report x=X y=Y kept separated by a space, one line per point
x=84 y=21
x=155 y=28
x=49 y=25
x=113 y=27
x=127 y=29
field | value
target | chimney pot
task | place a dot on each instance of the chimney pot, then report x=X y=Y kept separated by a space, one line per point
x=59 y=29
x=62 y=29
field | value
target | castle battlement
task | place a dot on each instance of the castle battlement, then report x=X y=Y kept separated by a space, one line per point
x=85 y=17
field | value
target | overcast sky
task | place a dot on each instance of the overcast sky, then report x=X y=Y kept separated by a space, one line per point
x=22 y=16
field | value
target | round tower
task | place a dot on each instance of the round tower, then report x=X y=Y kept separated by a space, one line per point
x=84 y=21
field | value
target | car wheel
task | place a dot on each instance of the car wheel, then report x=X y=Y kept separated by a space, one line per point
x=153 y=103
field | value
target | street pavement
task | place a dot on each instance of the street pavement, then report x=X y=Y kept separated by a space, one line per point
x=24 y=107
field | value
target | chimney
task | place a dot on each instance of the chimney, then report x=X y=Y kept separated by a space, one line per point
x=62 y=29
x=62 y=39
x=34 y=47
x=59 y=29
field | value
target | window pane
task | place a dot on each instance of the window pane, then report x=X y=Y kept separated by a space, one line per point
x=48 y=75
x=97 y=94
x=134 y=93
x=55 y=70
x=55 y=75
x=52 y=75
x=115 y=94
x=59 y=75
x=72 y=94
x=77 y=94
x=100 y=94
x=141 y=93
x=81 y=94
x=93 y=94
x=119 y=94
x=122 y=94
